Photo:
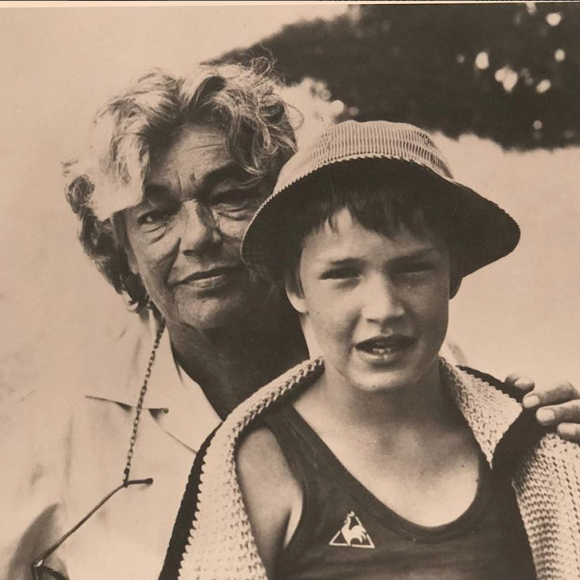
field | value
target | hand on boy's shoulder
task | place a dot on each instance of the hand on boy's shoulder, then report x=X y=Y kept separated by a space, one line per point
x=272 y=496
x=557 y=404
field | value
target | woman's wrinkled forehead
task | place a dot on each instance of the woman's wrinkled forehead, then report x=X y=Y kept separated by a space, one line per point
x=183 y=164
x=180 y=161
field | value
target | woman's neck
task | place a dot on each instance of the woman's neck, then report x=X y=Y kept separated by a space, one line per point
x=232 y=362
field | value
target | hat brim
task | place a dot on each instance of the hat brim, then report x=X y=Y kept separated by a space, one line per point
x=482 y=231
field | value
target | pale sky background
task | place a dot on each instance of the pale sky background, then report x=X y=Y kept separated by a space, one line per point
x=58 y=65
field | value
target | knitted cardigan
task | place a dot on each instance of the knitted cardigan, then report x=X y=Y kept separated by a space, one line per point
x=544 y=471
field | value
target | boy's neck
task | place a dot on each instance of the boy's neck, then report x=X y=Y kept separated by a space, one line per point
x=424 y=407
x=410 y=448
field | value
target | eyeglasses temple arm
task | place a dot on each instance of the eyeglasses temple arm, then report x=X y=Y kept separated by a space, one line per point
x=49 y=551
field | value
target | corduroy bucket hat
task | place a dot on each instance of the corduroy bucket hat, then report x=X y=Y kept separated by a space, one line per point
x=485 y=232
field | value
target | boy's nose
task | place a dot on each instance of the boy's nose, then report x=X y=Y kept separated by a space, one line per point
x=381 y=301
x=199 y=229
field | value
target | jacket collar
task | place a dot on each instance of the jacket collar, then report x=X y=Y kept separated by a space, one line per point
x=489 y=411
x=179 y=406
x=120 y=378
x=486 y=406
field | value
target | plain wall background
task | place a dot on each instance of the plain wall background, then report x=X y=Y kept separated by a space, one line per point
x=58 y=65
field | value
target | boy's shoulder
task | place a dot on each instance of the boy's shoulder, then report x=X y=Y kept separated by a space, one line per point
x=261 y=464
x=259 y=446
x=272 y=495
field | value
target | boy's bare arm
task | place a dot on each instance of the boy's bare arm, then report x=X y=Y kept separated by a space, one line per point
x=272 y=496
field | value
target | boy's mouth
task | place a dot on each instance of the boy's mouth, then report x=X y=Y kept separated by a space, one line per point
x=384 y=345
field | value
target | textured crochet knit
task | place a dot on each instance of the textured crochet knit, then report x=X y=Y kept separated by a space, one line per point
x=546 y=481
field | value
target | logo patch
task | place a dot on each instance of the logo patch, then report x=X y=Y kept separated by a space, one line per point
x=352 y=534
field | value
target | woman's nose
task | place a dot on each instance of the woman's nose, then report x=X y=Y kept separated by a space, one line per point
x=199 y=229
x=381 y=301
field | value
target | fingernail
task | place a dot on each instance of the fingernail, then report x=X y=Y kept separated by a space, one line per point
x=567 y=430
x=531 y=401
x=545 y=416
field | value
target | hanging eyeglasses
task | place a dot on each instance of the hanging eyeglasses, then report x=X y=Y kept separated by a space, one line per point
x=40 y=570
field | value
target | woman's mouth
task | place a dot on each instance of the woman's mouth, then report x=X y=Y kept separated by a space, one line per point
x=212 y=279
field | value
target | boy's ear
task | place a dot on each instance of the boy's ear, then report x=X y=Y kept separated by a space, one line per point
x=294 y=292
x=455 y=276
x=455 y=285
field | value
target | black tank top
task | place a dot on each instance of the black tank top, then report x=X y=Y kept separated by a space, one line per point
x=345 y=532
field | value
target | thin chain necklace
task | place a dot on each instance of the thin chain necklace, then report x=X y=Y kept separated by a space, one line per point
x=127 y=470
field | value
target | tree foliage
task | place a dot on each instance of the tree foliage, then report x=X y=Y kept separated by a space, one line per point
x=509 y=72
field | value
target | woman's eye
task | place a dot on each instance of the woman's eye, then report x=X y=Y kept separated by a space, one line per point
x=234 y=200
x=153 y=217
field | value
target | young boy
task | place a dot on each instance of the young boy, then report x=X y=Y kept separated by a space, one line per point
x=381 y=460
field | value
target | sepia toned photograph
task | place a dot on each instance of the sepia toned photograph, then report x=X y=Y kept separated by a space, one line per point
x=290 y=290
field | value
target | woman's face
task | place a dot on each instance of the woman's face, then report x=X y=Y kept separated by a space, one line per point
x=378 y=306
x=184 y=238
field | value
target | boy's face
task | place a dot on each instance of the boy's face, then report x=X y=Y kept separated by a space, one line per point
x=377 y=306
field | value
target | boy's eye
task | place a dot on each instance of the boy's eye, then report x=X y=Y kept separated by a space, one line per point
x=340 y=274
x=415 y=267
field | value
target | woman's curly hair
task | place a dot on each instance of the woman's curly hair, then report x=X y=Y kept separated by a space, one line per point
x=243 y=101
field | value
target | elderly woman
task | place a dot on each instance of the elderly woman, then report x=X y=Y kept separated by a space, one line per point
x=176 y=170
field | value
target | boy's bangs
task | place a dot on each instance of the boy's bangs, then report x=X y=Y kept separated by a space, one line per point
x=383 y=197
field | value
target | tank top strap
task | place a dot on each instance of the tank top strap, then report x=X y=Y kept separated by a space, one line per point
x=301 y=449
x=296 y=444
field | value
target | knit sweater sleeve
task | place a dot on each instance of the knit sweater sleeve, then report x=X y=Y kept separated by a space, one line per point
x=547 y=485
x=221 y=543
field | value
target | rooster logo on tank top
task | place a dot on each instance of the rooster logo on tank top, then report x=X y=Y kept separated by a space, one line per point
x=352 y=534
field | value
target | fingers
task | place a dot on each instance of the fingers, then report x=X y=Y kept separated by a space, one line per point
x=520 y=382
x=569 y=431
x=564 y=413
x=558 y=405
x=551 y=395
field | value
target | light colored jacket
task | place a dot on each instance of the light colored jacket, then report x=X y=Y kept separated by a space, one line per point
x=63 y=447
x=544 y=471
